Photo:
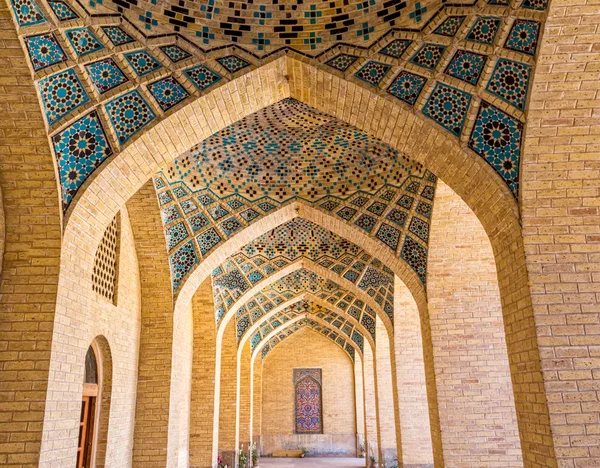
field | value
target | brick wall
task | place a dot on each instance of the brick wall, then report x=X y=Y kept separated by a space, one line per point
x=474 y=389
x=244 y=399
x=371 y=427
x=305 y=349
x=561 y=224
x=228 y=394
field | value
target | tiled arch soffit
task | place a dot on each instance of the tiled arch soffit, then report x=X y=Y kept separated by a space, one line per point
x=75 y=48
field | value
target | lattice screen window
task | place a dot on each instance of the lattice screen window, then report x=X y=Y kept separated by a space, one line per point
x=105 y=274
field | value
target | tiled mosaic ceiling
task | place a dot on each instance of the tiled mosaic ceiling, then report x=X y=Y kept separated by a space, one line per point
x=300 y=284
x=301 y=239
x=289 y=152
x=106 y=71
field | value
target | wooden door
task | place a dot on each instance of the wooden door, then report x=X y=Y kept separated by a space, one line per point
x=86 y=426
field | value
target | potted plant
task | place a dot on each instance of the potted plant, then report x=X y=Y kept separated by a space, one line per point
x=303 y=451
x=242 y=458
x=254 y=455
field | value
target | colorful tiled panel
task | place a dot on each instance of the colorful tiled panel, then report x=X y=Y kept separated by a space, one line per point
x=523 y=36
x=539 y=5
x=233 y=63
x=202 y=77
x=407 y=87
x=44 y=51
x=466 y=66
x=117 y=35
x=308 y=413
x=448 y=106
x=496 y=137
x=61 y=94
x=128 y=114
x=428 y=56
x=175 y=53
x=484 y=30
x=27 y=12
x=84 y=41
x=105 y=75
x=79 y=149
x=510 y=82
x=182 y=262
x=373 y=72
x=396 y=48
x=450 y=26
x=342 y=62
x=415 y=255
x=62 y=11
x=142 y=62
x=168 y=92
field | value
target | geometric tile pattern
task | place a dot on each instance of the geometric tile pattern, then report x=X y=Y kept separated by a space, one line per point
x=61 y=94
x=128 y=114
x=62 y=11
x=117 y=35
x=233 y=63
x=168 y=92
x=342 y=62
x=27 y=13
x=448 y=106
x=407 y=87
x=484 y=30
x=373 y=72
x=396 y=48
x=523 y=36
x=175 y=53
x=535 y=4
x=84 y=41
x=466 y=66
x=428 y=56
x=105 y=74
x=79 y=149
x=182 y=262
x=142 y=62
x=44 y=51
x=416 y=256
x=202 y=77
x=450 y=26
x=497 y=137
x=510 y=82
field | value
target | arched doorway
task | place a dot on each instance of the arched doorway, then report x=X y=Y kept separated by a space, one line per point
x=90 y=410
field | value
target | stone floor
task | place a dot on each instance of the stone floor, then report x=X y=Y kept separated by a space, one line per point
x=311 y=462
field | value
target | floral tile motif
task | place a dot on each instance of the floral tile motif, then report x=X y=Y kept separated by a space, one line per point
x=230 y=226
x=396 y=48
x=249 y=215
x=539 y=5
x=448 y=106
x=105 y=74
x=176 y=234
x=373 y=72
x=202 y=77
x=466 y=66
x=346 y=213
x=188 y=206
x=128 y=114
x=407 y=87
x=342 y=62
x=79 y=149
x=405 y=202
x=27 y=12
x=62 y=11
x=44 y=51
x=415 y=255
x=233 y=63
x=419 y=228
x=389 y=235
x=484 y=30
x=424 y=209
x=523 y=36
x=61 y=93
x=198 y=222
x=397 y=216
x=450 y=26
x=117 y=35
x=170 y=214
x=207 y=240
x=496 y=137
x=142 y=62
x=428 y=56
x=182 y=262
x=84 y=41
x=175 y=53
x=168 y=92
x=510 y=82
x=366 y=222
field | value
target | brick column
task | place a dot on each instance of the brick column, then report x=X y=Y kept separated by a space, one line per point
x=417 y=449
x=359 y=398
x=475 y=394
x=371 y=408
x=203 y=378
x=256 y=402
x=243 y=406
x=228 y=396
x=561 y=224
x=156 y=339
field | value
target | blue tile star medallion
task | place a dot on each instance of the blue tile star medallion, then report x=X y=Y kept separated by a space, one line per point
x=27 y=12
x=202 y=77
x=407 y=87
x=105 y=74
x=128 y=114
x=448 y=106
x=168 y=92
x=44 y=51
x=80 y=149
x=84 y=41
x=61 y=94
x=496 y=137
